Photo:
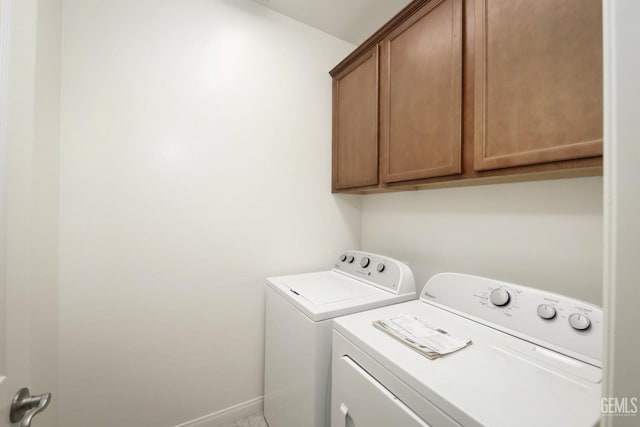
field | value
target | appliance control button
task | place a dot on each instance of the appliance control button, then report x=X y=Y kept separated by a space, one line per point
x=343 y=257
x=350 y=259
x=380 y=267
x=546 y=312
x=499 y=297
x=579 y=322
x=364 y=262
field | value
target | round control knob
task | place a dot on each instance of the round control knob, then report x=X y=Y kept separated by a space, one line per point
x=579 y=322
x=343 y=257
x=546 y=311
x=350 y=259
x=499 y=297
x=364 y=262
x=380 y=267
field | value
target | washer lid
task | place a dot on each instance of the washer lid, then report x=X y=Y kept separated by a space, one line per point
x=328 y=287
x=328 y=294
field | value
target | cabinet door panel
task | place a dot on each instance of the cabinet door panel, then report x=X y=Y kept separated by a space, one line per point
x=355 y=124
x=421 y=97
x=538 y=81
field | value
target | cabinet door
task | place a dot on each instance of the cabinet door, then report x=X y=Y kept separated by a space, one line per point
x=538 y=81
x=421 y=101
x=355 y=124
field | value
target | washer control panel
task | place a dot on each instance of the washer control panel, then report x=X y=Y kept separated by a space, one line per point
x=378 y=270
x=546 y=311
x=558 y=322
x=500 y=297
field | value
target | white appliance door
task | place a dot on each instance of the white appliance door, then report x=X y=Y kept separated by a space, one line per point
x=361 y=401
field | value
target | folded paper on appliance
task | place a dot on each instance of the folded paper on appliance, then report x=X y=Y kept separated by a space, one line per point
x=426 y=339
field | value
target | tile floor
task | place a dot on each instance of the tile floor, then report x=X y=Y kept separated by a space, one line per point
x=256 y=420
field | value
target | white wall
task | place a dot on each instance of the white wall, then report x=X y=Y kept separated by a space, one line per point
x=195 y=162
x=622 y=208
x=544 y=234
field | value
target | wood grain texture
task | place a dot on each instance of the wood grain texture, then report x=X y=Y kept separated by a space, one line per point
x=355 y=124
x=376 y=37
x=568 y=168
x=488 y=179
x=538 y=81
x=420 y=94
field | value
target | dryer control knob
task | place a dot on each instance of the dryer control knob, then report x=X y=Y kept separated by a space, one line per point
x=499 y=297
x=350 y=259
x=381 y=267
x=546 y=312
x=343 y=257
x=579 y=322
x=364 y=262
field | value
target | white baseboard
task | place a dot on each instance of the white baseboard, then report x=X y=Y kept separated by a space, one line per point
x=228 y=415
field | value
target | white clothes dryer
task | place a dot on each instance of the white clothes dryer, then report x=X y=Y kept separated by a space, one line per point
x=534 y=360
x=299 y=314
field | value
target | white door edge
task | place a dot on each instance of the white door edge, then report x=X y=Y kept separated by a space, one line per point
x=621 y=380
x=4 y=67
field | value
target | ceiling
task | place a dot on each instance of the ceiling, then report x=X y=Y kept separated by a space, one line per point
x=350 y=20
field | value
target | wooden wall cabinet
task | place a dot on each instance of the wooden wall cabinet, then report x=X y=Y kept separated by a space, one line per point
x=355 y=123
x=421 y=95
x=538 y=81
x=459 y=92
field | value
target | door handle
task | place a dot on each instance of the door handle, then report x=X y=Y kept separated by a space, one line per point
x=345 y=413
x=24 y=406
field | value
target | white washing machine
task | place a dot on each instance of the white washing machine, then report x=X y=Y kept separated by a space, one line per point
x=299 y=312
x=534 y=360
